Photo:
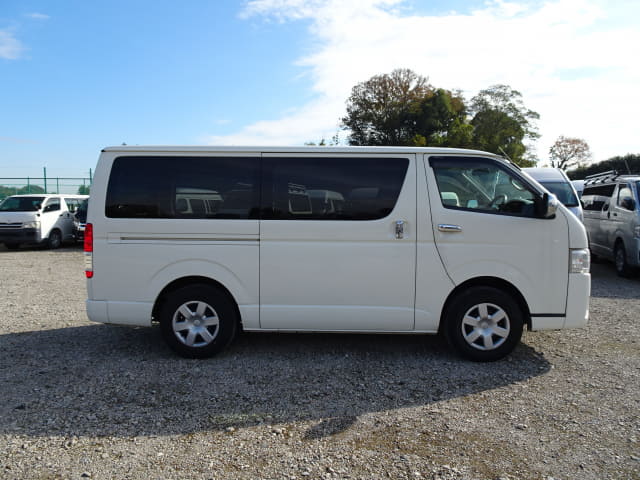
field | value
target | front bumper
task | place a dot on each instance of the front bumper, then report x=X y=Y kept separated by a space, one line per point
x=20 y=235
x=578 y=300
x=78 y=230
x=577 y=312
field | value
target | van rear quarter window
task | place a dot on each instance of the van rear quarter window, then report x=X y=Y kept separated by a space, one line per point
x=595 y=197
x=183 y=187
x=346 y=188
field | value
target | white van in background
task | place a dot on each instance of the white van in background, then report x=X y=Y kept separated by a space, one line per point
x=557 y=182
x=38 y=219
x=385 y=240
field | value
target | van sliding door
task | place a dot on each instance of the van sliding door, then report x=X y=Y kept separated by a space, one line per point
x=337 y=242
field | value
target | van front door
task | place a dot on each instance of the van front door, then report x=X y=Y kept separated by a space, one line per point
x=337 y=242
x=485 y=226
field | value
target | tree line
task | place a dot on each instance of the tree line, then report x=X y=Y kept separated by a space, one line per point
x=627 y=164
x=403 y=109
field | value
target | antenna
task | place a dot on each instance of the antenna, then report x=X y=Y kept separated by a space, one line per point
x=505 y=154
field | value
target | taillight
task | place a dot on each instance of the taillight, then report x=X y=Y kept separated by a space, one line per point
x=88 y=250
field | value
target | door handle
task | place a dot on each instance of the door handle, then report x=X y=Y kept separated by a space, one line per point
x=399 y=229
x=444 y=227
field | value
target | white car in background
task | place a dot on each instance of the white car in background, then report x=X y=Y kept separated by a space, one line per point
x=557 y=182
x=38 y=219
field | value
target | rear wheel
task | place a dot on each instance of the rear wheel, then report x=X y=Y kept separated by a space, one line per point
x=483 y=324
x=12 y=246
x=198 y=321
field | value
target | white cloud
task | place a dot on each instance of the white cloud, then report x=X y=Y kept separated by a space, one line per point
x=574 y=61
x=37 y=16
x=10 y=47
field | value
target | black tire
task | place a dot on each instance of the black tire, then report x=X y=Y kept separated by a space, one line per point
x=211 y=326
x=623 y=269
x=55 y=239
x=12 y=246
x=498 y=329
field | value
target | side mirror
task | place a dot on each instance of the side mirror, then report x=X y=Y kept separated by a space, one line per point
x=628 y=203
x=547 y=206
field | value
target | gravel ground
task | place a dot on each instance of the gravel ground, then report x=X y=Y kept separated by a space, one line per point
x=82 y=400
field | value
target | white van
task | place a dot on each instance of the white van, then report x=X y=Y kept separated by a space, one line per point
x=351 y=239
x=612 y=219
x=557 y=182
x=38 y=219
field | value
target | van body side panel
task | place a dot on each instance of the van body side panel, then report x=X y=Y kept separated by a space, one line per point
x=339 y=275
x=433 y=285
x=134 y=259
x=532 y=254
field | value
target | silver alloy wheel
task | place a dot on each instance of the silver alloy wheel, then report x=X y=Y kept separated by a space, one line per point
x=195 y=324
x=485 y=326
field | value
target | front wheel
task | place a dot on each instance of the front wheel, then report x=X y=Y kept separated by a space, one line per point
x=55 y=239
x=12 y=246
x=483 y=324
x=623 y=269
x=198 y=321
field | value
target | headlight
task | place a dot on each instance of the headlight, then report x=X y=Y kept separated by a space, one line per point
x=35 y=224
x=580 y=260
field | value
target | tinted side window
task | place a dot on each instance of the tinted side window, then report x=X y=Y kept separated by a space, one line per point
x=332 y=188
x=624 y=191
x=481 y=185
x=597 y=196
x=183 y=187
x=52 y=205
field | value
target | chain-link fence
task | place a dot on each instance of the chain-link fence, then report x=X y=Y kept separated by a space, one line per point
x=27 y=185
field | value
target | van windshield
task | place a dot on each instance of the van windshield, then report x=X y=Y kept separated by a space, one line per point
x=21 y=204
x=563 y=192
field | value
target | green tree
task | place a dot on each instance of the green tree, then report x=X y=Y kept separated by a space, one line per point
x=567 y=152
x=83 y=190
x=501 y=123
x=6 y=191
x=385 y=109
x=441 y=121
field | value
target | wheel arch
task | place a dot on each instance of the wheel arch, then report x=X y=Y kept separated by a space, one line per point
x=192 y=280
x=494 y=282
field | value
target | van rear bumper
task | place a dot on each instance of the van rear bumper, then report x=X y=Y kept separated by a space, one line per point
x=120 y=313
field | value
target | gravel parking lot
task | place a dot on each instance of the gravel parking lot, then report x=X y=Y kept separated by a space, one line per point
x=82 y=400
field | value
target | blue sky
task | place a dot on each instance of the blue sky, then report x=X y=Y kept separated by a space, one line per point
x=76 y=76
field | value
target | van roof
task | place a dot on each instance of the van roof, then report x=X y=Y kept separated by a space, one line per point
x=310 y=149
x=546 y=174
x=51 y=195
